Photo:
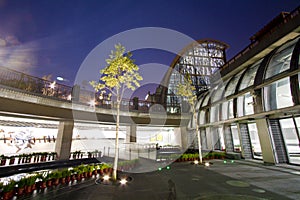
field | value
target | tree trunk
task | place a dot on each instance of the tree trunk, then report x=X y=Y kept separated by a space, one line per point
x=198 y=136
x=117 y=142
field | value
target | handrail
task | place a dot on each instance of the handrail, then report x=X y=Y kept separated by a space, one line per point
x=38 y=86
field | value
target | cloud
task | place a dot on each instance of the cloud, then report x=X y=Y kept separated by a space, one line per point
x=18 y=56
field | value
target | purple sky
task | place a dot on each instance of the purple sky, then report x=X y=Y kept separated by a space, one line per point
x=42 y=37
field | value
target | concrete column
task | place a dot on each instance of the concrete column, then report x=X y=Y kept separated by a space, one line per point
x=64 y=139
x=131 y=133
x=184 y=137
x=209 y=138
x=265 y=141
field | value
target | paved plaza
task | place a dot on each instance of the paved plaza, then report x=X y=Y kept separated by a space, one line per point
x=231 y=180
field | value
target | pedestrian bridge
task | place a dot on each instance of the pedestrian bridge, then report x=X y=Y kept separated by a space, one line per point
x=27 y=96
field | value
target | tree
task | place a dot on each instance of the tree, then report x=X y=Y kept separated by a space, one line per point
x=188 y=92
x=119 y=75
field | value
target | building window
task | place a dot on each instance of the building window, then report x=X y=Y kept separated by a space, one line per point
x=202 y=117
x=224 y=114
x=214 y=113
x=230 y=109
x=278 y=95
x=280 y=62
x=235 y=138
x=232 y=84
x=248 y=78
x=245 y=105
x=255 y=142
x=290 y=131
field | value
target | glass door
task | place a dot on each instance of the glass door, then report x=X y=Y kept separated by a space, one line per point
x=255 y=142
x=290 y=128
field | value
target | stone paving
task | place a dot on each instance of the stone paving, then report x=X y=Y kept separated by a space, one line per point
x=223 y=181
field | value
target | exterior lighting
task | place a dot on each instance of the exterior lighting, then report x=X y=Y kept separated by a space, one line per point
x=168 y=167
x=106 y=178
x=92 y=103
x=196 y=162
x=52 y=85
x=60 y=78
x=159 y=169
x=206 y=164
x=224 y=161
x=232 y=161
x=69 y=97
x=123 y=181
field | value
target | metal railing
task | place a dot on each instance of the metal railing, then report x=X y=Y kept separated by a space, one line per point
x=38 y=86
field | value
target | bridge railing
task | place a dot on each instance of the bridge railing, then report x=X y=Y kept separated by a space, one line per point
x=38 y=86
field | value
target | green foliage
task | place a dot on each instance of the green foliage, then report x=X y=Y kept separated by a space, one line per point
x=187 y=90
x=21 y=183
x=105 y=165
x=65 y=173
x=9 y=187
x=120 y=74
x=31 y=180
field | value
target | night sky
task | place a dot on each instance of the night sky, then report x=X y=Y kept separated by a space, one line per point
x=43 y=37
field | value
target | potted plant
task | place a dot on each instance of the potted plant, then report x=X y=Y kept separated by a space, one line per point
x=30 y=184
x=12 y=160
x=21 y=186
x=65 y=176
x=3 y=160
x=56 y=175
x=8 y=190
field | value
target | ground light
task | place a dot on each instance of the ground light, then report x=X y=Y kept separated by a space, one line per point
x=159 y=169
x=106 y=178
x=206 y=164
x=123 y=181
x=196 y=162
x=168 y=167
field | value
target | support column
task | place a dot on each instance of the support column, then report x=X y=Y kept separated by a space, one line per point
x=209 y=138
x=64 y=139
x=131 y=133
x=265 y=141
x=184 y=137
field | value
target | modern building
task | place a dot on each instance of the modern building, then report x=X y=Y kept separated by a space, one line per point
x=251 y=103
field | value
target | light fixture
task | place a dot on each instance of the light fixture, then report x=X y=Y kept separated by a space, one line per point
x=123 y=181
x=52 y=85
x=106 y=178
x=206 y=164
x=196 y=162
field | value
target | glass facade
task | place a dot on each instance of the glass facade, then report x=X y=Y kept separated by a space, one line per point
x=249 y=76
x=263 y=86
x=200 y=60
x=255 y=143
x=278 y=95
x=290 y=130
x=280 y=61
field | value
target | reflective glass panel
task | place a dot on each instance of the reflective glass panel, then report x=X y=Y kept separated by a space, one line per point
x=278 y=95
x=224 y=114
x=218 y=93
x=245 y=105
x=280 y=62
x=214 y=113
x=235 y=138
x=255 y=142
x=248 y=79
x=202 y=117
x=205 y=101
x=230 y=109
x=232 y=84
x=291 y=138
